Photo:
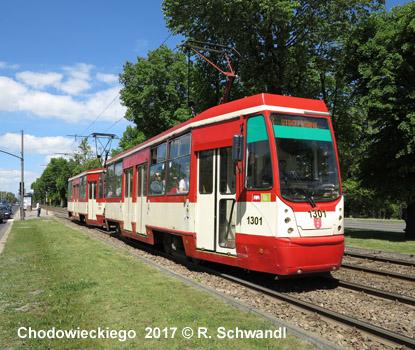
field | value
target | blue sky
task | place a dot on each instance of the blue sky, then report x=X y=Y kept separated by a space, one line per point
x=59 y=66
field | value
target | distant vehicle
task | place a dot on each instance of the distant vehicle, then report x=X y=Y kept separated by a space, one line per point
x=1 y=217
x=7 y=214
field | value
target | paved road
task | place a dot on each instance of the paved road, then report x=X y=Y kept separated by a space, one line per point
x=374 y=225
x=6 y=223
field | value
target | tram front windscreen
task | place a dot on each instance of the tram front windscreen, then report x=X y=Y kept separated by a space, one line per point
x=307 y=163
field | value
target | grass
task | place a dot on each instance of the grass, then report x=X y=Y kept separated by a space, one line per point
x=56 y=278
x=379 y=240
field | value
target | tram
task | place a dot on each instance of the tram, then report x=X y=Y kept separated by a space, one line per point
x=86 y=202
x=252 y=183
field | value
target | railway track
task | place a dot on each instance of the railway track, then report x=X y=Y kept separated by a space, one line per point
x=370 y=259
x=380 y=258
x=379 y=272
x=387 y=335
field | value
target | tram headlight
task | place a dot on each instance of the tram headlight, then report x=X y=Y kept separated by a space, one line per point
x=340 y=217
x=287 y=220
x=339 y=228
x=290 y=230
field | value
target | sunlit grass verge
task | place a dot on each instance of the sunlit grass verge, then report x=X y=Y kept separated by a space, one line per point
x=379 y=240
x=56 y=278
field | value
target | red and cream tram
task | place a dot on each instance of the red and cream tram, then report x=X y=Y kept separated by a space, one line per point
x=252 y=183
x=86 y=201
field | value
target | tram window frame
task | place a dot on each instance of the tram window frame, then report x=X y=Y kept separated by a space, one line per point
x=178 y=162
x=100 y=186
x=82 y=188
x=128 y=182
x=255 y=148
x=113 y=180
x=142 y=175
x=227 y=172
x=158 y=165
x=108 y=182
x=206 y=171
x=90 y=186
x=70 y=190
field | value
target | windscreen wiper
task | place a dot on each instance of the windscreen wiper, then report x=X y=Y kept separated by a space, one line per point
x=307 y=193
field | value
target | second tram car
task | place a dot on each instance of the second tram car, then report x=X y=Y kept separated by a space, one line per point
x=86 y=201
x=252 y=183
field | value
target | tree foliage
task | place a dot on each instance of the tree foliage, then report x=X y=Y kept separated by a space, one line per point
x=385 y=78
x=54 y=179
x=351 y=53
x=155 y=94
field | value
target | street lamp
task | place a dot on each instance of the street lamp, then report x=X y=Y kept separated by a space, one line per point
x=22 y=178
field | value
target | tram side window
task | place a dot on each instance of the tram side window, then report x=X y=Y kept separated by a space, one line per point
x=82 y=188
x=227 y=171
x=109 y=182
x=92 y=185
x=118 y=180
x=178 y=172
x=157 y=171
x=141 y=180
x=70 y=190
x=113 y=181
x=258 y=155
x=100 y=186
x=144 y=188
x=206 y=172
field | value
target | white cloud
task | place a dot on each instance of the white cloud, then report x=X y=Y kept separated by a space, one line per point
x=80 y=71
x=29 y=93
x=4 y=65
x=107 y=78
x=10 y=94
x=35 y=145
x=10 y=179
x=40 y=80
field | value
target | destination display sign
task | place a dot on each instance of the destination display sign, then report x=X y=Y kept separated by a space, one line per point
x=299 y=121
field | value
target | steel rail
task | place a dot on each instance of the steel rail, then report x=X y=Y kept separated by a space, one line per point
x=373 y=291
x=383 y=259
x=379 y=272
x=362 y=325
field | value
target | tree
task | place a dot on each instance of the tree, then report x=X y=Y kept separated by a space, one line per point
x=155 y=94
x=287 y=47
x=84 y=159
x=293 y=48
x=385 y=75
x=54 y=181
x=131 y=137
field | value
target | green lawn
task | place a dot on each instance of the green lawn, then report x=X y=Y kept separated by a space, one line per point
x=56 y=278
x=379 y=240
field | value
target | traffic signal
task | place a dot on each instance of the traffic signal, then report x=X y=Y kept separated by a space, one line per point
x=20 y=188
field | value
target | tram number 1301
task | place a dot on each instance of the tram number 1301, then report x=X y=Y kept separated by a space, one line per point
x=254 y=220
x=317 y=213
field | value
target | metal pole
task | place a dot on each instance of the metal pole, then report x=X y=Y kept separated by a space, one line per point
x=22 y=213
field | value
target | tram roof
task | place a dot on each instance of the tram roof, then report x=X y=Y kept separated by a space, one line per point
x=233 y=110
x=89 y=171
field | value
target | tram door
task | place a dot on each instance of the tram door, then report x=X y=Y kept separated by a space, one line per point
x=75 y=199
x=216 y=204
x=141 y=197
x=128 y=199
x=92 y=200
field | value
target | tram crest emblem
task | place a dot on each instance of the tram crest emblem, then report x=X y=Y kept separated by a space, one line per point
x=317 y=223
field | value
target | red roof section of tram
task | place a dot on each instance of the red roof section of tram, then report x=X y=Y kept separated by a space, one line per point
x=241 y=104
